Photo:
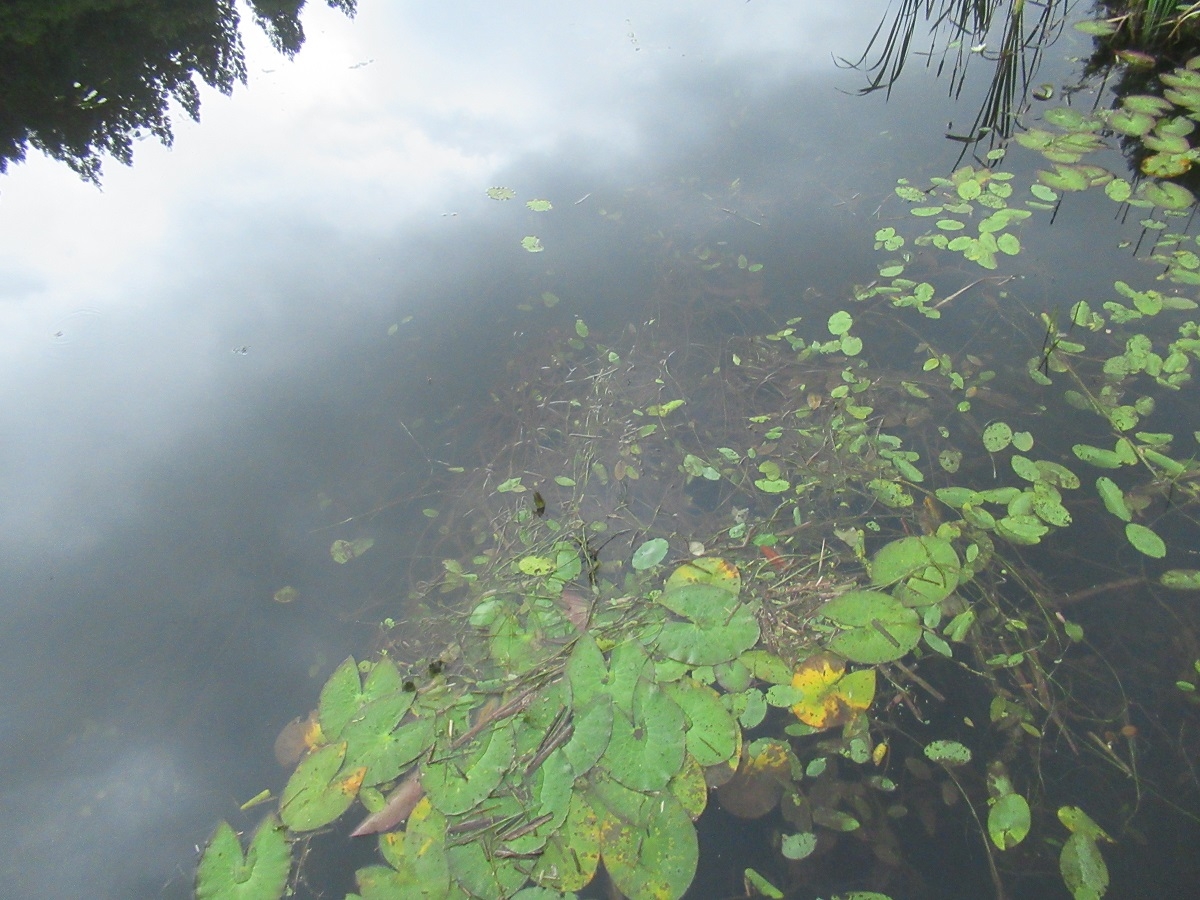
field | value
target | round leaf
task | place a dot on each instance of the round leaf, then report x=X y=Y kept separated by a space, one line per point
x=924 y=569
x=876 y=628
x=650 y=554
x=1008 y=821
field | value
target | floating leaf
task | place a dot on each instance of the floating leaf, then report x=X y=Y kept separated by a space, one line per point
x=536 y=565
x=1083 y=869
x=650 y=554
x=539 y=205
x=656 y=860
x=707 y=570
x=1145 y=540
x=712 y=734
x=1024 y=530
x=761 y=885
x=1113 y=498
x=511 y=486
x=1097 y=456
x=876 y=628
x=772 y=485
x=501 y=193
x=889 y=493
x=663 y=409
x=1008 y=821
x=532 y=243
x=924 y=569
x=840 y=322
x=829 y=696
x=948 y=753
x=459 y=781
x=1181 y=579
x=225 y=874
x=647 y=747
x=798 y=846
x=285 y=595
x=315 y=795
x=375 y=741
x=717 y=627
x=344 y=551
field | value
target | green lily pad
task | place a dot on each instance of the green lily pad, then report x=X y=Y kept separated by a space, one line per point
x=712 y=734
x=417 y=855
x=374 y=740
x=1181 y=579
x=460 y=780
x=261 y=874
x=646 y=749
x=569 y=860
x=1113 y=498
x=1082 y=867
x=318 y=791
x=1008 y=821
x=480 y=874
x=948 y=753
x=1022 y=529
x=876 y=627
x=1145 y=540
x=344 y=551
x=924 y=569
x=648 y=843
x=345 y=693
x=593 y=725
x=716 y=630
x=535 y=565
x=997 y=436
x=650 y=554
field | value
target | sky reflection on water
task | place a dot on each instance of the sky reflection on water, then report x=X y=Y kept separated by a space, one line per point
x=194 y=353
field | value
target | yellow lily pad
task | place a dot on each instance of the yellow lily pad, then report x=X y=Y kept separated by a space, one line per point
x=830 y=695
x=707 y=570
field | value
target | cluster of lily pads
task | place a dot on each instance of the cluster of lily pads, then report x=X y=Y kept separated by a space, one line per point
x=595 y=706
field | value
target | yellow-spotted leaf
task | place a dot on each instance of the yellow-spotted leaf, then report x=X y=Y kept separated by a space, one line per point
x=830 y=695
x=707 y=570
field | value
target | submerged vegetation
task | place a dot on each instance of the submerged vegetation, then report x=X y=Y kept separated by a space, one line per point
x=762 y=575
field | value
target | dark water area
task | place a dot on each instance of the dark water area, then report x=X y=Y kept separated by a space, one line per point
x=283 y=330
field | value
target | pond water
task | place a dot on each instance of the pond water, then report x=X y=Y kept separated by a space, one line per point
x=326 y=314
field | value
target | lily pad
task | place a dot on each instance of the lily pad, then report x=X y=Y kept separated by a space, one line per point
x=650 y=554
x=375 y=741
x=716 y=630
x=646 y=749
x=924 y=569
x=344 y=551
x=707 y=570
x=876 y=627
x=261 y=874
x=460 y=780
x=829 y=696
x=1181 y=579
x=712 y=735
x=318 y=791
x=1145 y=540
x=569 y=860
x=1008 y=821
x=649 y=846
x=948 y=753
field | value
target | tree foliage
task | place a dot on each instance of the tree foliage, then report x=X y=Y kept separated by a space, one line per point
x=82 y=79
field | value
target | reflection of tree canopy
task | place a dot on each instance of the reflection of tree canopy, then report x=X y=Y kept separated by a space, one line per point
x=81 y=78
